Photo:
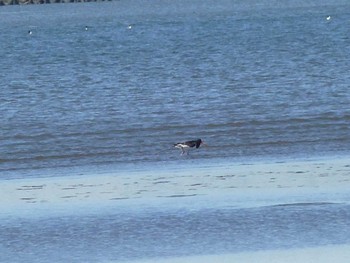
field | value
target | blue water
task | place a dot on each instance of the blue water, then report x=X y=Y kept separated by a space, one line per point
x=123 y=233
x=252 y=80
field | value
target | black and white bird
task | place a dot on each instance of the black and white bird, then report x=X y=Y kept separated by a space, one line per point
x=185 y=146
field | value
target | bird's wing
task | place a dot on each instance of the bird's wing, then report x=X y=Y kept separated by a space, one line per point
x=190 y=143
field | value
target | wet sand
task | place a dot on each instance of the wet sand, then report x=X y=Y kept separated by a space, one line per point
x=231 y=185
x=324 y=254
x=319 y=176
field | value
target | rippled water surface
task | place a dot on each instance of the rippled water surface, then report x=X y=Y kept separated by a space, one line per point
x=124 y=234
x=252 y=80
x=115 y=84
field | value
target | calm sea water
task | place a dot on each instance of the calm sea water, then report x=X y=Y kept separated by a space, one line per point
x=252 y=80
x=123 y=232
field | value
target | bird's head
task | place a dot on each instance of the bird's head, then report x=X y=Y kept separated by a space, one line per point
x=200 y=142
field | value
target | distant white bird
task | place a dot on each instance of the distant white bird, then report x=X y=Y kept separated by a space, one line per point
x=129 y=26
x=328 y=18
x=30 y=32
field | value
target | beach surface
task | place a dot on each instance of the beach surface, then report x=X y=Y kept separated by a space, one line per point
x=325 y=254
x=287 y=211
x=246 y=181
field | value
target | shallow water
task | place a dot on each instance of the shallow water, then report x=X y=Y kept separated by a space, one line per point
x=148 y=232
x=251 y=80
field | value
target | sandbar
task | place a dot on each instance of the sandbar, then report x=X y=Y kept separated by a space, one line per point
x=323 y=254
x=324 y=177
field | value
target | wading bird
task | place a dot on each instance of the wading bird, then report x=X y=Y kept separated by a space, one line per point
x=185 y=146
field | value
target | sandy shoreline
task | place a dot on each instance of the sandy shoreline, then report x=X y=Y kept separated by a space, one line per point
x=142 y=194
x=324 y=254
x=315 y=176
